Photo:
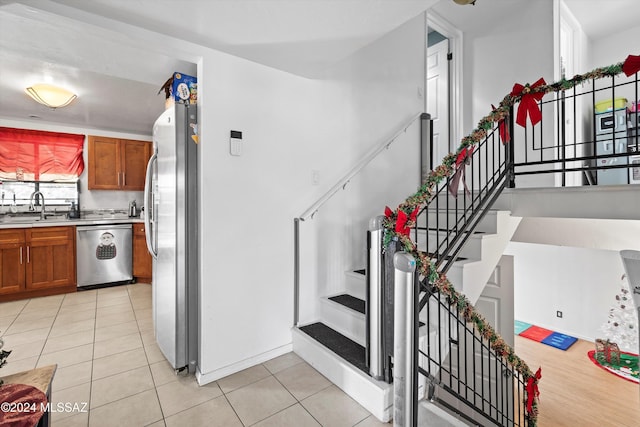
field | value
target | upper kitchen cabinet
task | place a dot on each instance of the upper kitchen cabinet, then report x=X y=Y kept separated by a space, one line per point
x=117 y=164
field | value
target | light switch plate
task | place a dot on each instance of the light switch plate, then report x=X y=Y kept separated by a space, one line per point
x=235 y=143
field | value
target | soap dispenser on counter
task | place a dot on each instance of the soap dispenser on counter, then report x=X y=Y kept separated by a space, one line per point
x=74 y=212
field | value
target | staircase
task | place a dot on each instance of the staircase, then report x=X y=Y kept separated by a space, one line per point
x=335 y=343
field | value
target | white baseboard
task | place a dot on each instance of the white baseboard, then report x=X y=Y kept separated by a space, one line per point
x=208 y=377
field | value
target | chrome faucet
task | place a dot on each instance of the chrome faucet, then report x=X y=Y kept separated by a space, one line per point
x=32 y=207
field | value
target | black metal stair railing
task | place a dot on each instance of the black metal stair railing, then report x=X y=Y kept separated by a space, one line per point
x=464 y=373
x=457 y=360
x=576 y=137
x=469 y=368
x=451 y=216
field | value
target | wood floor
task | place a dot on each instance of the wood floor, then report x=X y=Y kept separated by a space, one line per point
x=576 y=392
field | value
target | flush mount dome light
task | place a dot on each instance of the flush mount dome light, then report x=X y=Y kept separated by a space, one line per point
x=49 y=95
x=463 y=2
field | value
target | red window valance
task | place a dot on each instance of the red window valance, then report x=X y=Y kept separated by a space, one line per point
x=34 y=155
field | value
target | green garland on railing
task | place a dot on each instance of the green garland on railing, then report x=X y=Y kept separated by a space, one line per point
x=426 y=266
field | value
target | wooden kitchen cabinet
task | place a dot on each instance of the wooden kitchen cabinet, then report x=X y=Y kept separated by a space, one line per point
x=142 y=262
x=117 y=164
x=51 y=257
x=37 y=262
x=12 y=247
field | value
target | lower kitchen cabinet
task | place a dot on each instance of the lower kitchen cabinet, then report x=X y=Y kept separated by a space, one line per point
x=142 y=262
x=37 y=262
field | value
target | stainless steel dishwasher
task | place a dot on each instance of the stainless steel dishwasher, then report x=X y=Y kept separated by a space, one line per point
x=104 y=254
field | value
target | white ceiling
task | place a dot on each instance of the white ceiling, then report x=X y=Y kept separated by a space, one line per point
x=117 y=83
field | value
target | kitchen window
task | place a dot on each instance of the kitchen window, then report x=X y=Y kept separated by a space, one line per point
x=33 y=160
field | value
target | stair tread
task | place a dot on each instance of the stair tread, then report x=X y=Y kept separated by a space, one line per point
x=349 y=350
x=350 y=301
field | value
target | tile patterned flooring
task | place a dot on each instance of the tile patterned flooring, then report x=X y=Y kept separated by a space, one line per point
x=103 y=343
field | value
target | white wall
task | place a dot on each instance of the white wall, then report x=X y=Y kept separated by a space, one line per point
x=248 y=203
x=383 y=82
x=580 y=282
x=89 y=199
x=615 y=47
x=497 y=56
x=290 y=126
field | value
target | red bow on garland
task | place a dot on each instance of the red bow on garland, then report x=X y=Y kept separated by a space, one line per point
x=464 y=155
x=532 y=389
x=402 y=219
x=528 y=102
x=504 y=130
x=631 y=65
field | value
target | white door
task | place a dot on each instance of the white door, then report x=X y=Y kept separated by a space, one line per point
x=496 y=301
x=438 y=98
x=468 y=361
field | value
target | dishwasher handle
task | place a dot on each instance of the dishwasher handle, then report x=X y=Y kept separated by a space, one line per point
x=85 y=228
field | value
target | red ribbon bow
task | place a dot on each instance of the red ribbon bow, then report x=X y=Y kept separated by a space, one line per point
x=388 y=212
x=528 y=102
x=461 y=160
x=504 y=130
x=403 y=219
x=532 y=389
x=631 y=65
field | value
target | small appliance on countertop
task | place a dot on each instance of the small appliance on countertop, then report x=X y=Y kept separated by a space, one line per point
x=133 y=210
x=74 y=212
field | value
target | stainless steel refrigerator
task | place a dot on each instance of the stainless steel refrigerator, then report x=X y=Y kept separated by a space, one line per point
x=171 y=224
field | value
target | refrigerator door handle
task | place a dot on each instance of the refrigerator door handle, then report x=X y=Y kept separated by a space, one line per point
x=148 y=202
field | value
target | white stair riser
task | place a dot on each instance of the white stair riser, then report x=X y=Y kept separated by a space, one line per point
x=348 y=322
x=472 y=248
x=375 y=396
x=488 y=224
x=356 y=285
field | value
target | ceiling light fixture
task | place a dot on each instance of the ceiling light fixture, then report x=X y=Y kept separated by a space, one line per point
x=49 y=95
x=463 y=2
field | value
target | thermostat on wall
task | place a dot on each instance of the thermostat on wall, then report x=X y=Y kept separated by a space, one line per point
x=235 y=143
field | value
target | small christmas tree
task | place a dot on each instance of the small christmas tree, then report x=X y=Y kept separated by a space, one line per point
x=622 y=324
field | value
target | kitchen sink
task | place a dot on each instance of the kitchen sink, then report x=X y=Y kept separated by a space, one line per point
x=21 y=219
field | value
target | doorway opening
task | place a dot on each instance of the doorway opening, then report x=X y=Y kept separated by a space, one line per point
x=443 y=74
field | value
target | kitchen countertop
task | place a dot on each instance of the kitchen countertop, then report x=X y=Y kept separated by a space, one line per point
x=67 y=222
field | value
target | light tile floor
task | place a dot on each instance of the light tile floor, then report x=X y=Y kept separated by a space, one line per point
x=103 y=343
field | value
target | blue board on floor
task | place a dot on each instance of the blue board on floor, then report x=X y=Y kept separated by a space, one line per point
x=520 y=327
x=560 y=341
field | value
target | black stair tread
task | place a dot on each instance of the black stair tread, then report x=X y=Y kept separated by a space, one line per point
x=349 y=350
x=350 y=301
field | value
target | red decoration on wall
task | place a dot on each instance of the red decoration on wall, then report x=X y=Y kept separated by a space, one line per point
x=528 y=102
x=631 y=65
x=532 y=389
x=35 y=155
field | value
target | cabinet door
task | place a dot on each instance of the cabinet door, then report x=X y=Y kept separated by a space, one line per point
x=104 y=163
x=135 y=156
x=12 y=261
x=142 y=262
x=50 y=257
